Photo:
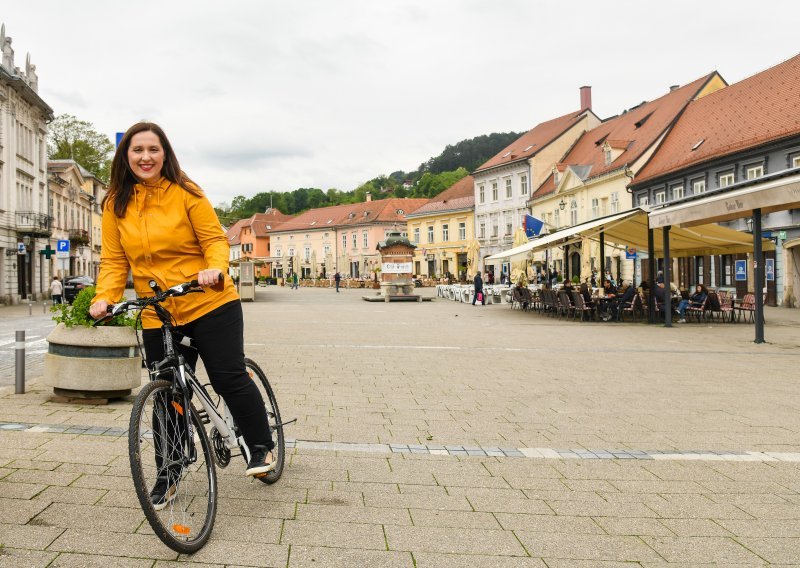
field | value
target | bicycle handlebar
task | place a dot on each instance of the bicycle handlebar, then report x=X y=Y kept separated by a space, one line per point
x=114 y=310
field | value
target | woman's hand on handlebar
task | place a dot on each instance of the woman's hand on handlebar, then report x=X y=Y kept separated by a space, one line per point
x=210 y=277
x=98 y=309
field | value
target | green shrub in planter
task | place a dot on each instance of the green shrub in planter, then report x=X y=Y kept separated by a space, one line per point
x=78 y=312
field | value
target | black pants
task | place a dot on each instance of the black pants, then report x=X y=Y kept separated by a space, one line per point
x=219 y=338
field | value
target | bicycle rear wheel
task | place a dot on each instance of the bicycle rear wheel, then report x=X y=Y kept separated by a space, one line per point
x=159 y=454
x=273 y=416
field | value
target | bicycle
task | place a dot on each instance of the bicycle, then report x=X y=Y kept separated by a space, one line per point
x=165 y=430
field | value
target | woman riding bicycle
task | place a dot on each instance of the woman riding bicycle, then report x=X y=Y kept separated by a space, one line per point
x=158 y=224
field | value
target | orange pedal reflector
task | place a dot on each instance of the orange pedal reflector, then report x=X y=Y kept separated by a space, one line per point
x=260 y=475
x=177 y=407
x=181 y=529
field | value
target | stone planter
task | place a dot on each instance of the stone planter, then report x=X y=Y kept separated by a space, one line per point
x=92 y=362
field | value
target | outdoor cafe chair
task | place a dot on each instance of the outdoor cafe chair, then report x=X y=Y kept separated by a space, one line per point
x=698 y=312
x=748 y=306
x=581 y=307
x=564 y=305
x=633 y=307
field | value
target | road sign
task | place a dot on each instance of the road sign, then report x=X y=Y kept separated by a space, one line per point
x=62 y=249
x=782 y=235
x=631 y=253
x=21 y=248
x=741 y=270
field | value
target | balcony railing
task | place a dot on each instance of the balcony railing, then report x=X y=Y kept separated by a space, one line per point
x=78 y=237
x=33 y=223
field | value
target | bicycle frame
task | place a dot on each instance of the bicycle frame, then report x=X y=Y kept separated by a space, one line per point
x=186 y=380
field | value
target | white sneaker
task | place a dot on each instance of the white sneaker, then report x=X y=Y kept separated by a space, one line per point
x=681 y=320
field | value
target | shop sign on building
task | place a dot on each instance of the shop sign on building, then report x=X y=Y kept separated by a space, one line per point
x=396 y=268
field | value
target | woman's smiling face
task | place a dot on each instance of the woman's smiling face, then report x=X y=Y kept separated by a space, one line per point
x=146 y=156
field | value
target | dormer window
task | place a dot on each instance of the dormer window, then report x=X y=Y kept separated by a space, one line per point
x=400 y=212
x=608 y=157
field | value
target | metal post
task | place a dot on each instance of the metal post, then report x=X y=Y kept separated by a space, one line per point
x=44 y=306
x=758 y=265
x=566 y=263
x=30 y=307
x=651 y=262
x=19 y=349
x=602 y=259
x=667 y=287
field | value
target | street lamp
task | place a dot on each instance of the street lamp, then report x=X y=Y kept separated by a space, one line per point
x=562 y=205
x=749 y=222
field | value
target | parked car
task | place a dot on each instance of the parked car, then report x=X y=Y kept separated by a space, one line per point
x=74 y=284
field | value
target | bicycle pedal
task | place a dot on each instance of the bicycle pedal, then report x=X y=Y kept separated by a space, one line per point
x=260 y=475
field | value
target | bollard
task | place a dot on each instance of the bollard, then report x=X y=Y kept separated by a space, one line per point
x=30 y=307
x=44 y=307
x=19 y=385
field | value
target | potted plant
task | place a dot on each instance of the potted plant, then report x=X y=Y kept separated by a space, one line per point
x=88 y=362
x=376 y=285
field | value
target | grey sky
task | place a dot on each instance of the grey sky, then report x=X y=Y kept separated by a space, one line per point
x=259 y=96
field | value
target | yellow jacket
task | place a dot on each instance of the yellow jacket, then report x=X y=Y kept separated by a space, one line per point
x=167 y=235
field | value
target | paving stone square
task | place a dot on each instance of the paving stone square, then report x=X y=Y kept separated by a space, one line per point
x=442 y=434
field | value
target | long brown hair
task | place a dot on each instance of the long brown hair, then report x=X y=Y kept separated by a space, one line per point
x=120 y=187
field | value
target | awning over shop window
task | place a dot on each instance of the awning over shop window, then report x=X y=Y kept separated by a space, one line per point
x=777 y=194
x=630 y=229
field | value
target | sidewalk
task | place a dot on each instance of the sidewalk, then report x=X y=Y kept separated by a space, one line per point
x=442 y=434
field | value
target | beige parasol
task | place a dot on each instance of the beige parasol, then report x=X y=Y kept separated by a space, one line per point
x=586 y=259
x=473 y=258
x=313 y=262
x=518 y=268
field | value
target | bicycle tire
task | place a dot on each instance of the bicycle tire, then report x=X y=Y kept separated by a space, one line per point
x=185 y=522
x=274 y=417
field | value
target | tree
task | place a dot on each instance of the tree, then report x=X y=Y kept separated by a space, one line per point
x=70 y=138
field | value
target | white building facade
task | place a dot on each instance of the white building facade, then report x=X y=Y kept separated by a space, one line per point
x=24 y=217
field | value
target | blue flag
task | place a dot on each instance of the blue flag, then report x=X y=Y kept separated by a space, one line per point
x=533 y=226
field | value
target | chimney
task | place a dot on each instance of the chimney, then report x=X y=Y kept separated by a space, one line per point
x=586 y=97
x=674 y=88
x=369 y=197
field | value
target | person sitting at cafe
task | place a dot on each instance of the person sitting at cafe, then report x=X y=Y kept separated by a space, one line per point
x=696 y=300
x=587 y=295
x=621 y=301
x=609 y=293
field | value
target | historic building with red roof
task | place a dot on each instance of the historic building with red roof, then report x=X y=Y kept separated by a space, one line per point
x=502 y=185
x=590 y=180
x=340 y=238
x=442 y=229
x=745 y=134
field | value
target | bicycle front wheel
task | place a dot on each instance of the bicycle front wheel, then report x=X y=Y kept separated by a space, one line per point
x=173 y=470
x=273 y=416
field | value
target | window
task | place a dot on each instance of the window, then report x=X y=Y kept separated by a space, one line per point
x=494 y=228
x=430 y=233
x=482 y=231
x=508 y=189
x=416 y=235
x=365 y=239
x=677 y=192
x=344 y=241
x=326 y=250
x=291 y=252
x=355 y=240
x=494 y=191
x=509 y=227
x=445 y=232
x=644 y=200
x=523 y=185
x=556 y=219
x=307 y=254
x=481 y=194
x=754 y=172
x=661 y=197
x=698 y=186
x=462 y=231
x=726 y=179
x=796 y=162
x=595 y=208
x=608 y=157
x=614 y=202
x=573 y=213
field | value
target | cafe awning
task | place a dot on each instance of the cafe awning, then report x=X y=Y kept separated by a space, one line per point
x=630 y=229
x=775 y=193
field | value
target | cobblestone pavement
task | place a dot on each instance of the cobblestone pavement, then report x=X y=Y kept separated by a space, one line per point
x=442 y=434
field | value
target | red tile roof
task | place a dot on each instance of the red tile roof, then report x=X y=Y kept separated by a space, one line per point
x=263 y=223
x=382 y=210
x=634 y=132
x=460 y=195
x=234 y=231
x=534 y=140
x=756 y=110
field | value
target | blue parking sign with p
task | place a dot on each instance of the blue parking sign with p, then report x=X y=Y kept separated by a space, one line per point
x=741 y=270
x=63 y=246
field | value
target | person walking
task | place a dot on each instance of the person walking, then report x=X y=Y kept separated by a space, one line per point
x=160 y=225
x=56 y=291
x=294 y=281
x=478 y=285
x=337 y=278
